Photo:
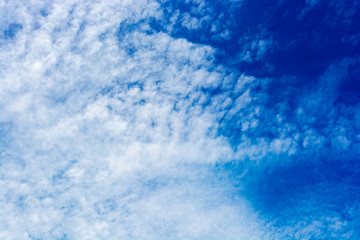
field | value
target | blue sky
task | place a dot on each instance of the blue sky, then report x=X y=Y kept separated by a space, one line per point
x=175 y=119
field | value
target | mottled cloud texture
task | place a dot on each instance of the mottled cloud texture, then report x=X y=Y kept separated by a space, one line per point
x=178 y=120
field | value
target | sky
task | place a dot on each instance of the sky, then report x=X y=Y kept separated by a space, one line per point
x=179 y=119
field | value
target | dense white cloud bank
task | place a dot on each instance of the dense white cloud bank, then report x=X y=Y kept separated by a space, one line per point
x=104 y=132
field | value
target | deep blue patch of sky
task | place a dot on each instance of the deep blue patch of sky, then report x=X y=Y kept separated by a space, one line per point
x=303 y=40
x=311 y=48
x=11 y=30
x=305 y=44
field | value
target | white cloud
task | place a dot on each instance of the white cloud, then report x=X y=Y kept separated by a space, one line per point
x=256 y=50
x=92 y=125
